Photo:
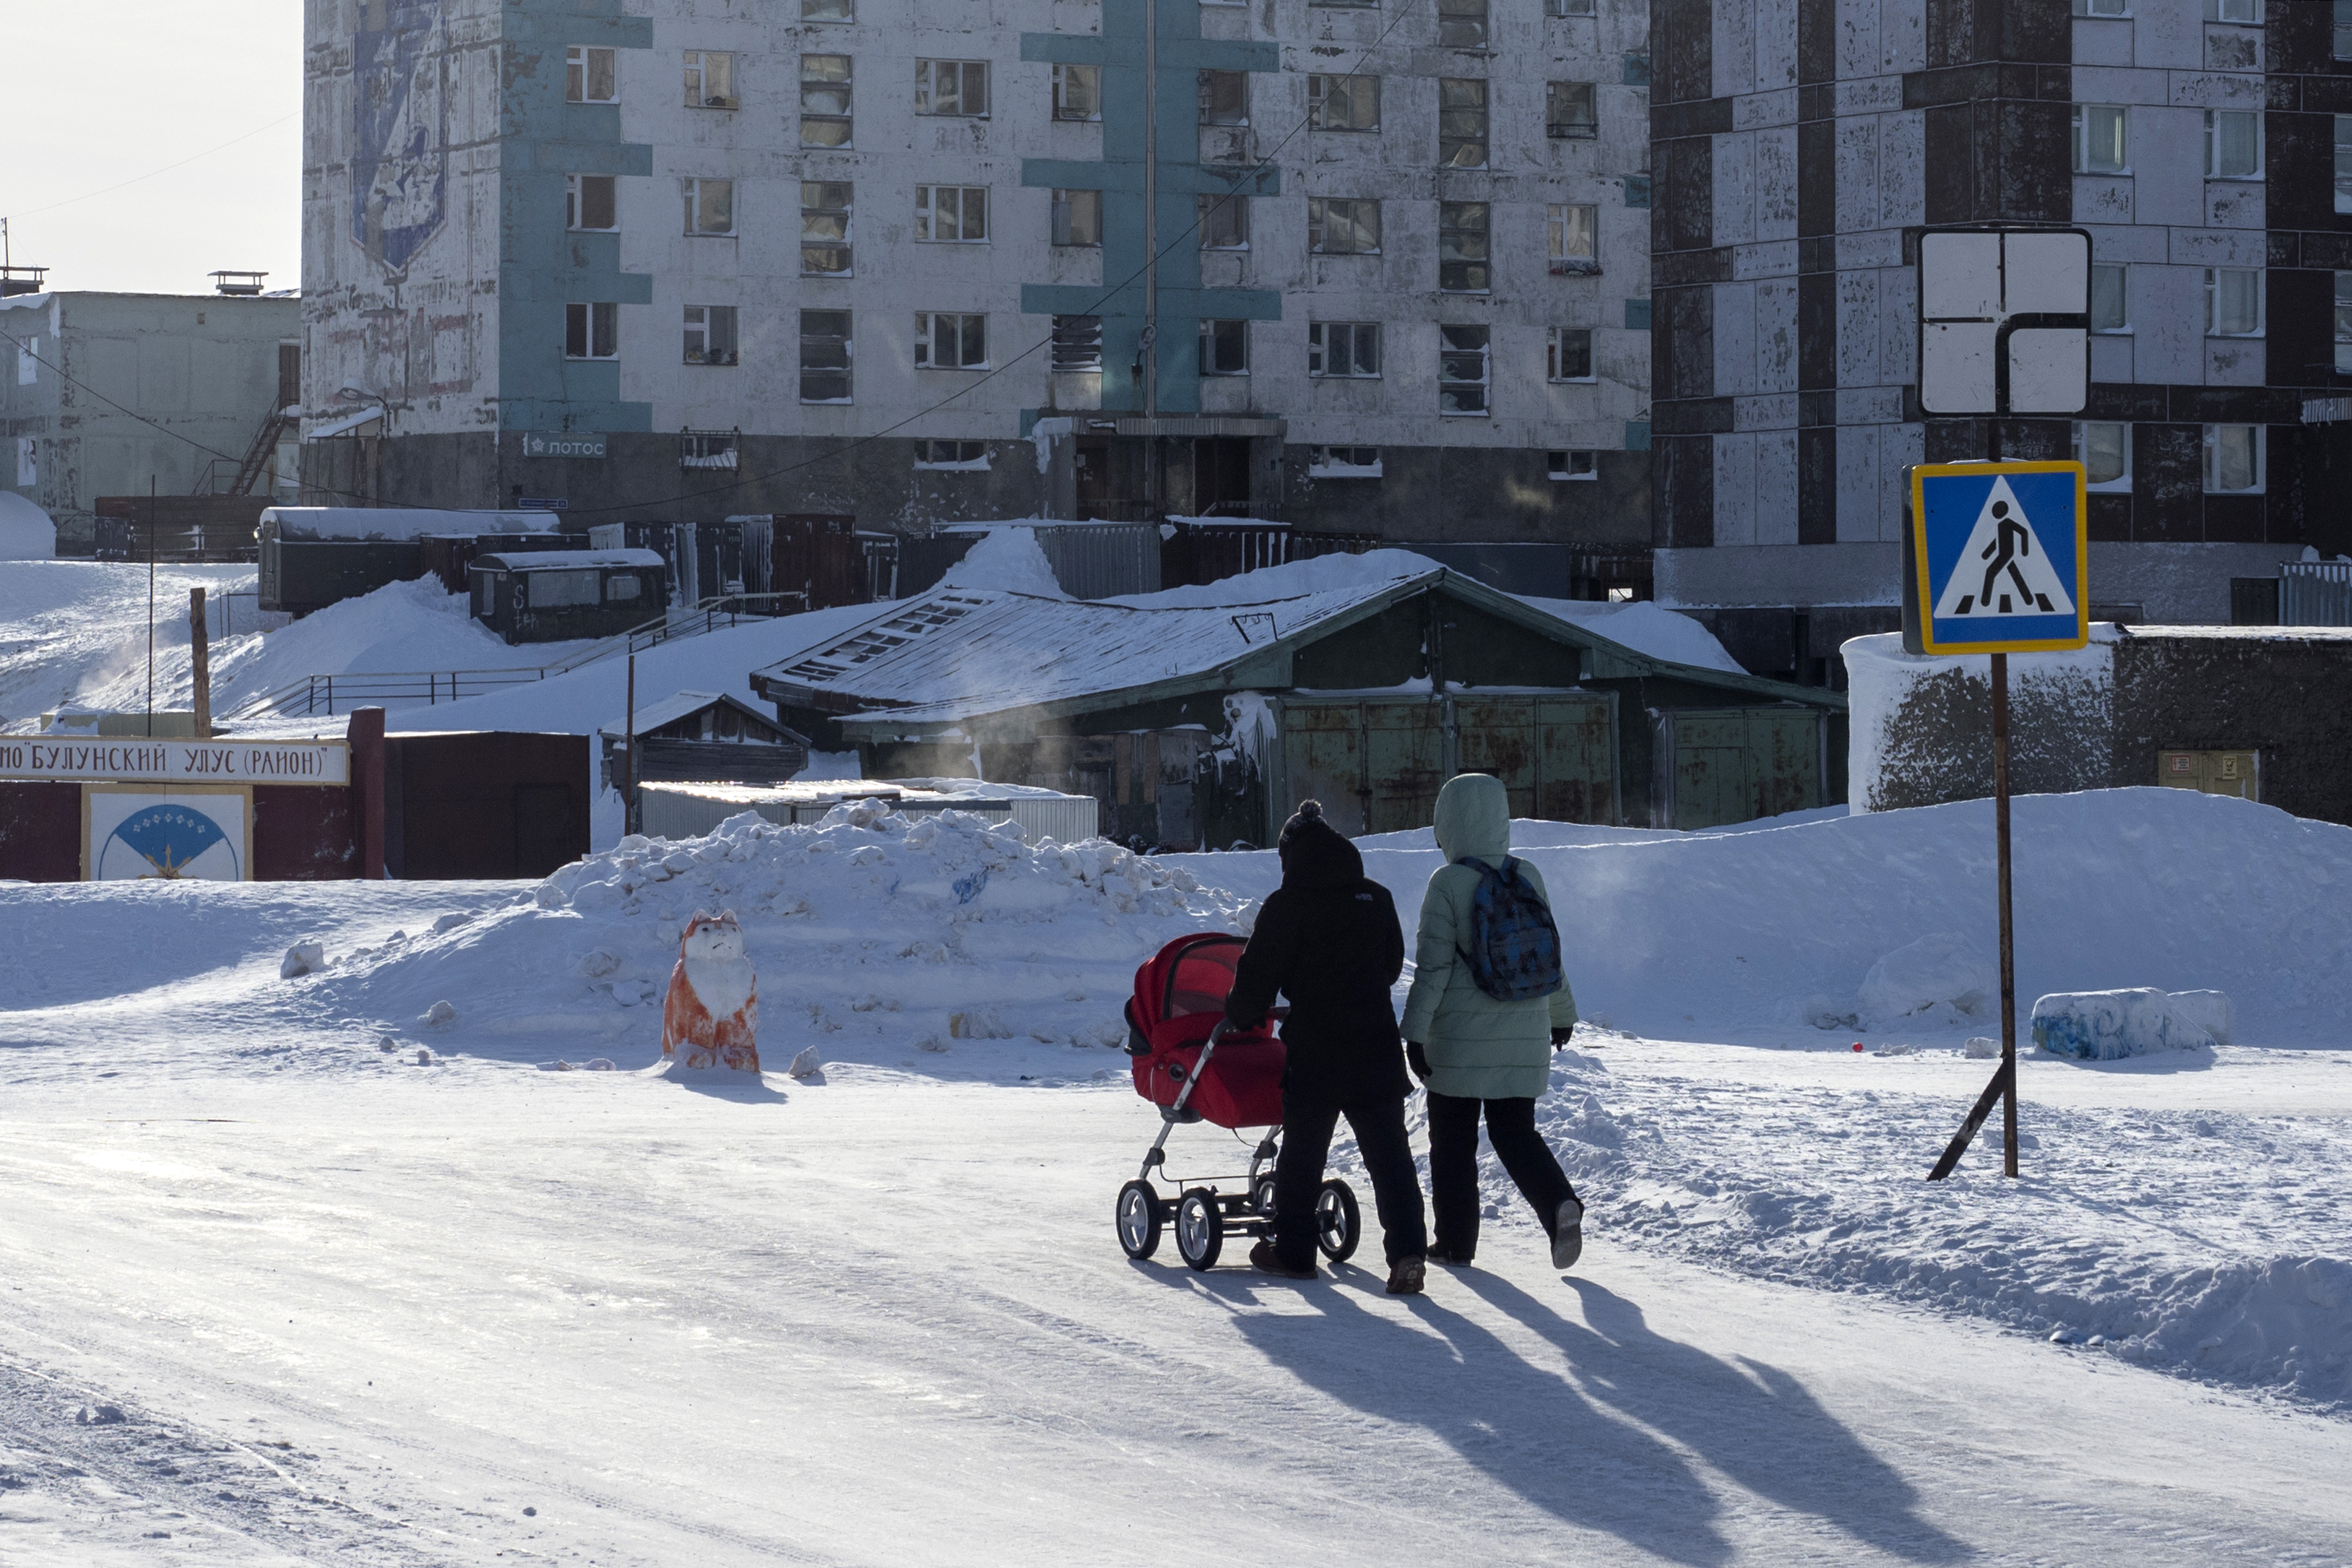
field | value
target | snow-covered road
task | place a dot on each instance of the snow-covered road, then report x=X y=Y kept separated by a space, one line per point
x=883 y=1320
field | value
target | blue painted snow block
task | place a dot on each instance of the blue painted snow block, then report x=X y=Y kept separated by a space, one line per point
x=2108 y=1026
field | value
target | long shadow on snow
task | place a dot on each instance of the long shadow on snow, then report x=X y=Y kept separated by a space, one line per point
x=1752 y=1421
x=1523 y=1426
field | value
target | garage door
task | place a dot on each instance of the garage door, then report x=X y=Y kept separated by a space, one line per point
x=1553 y=754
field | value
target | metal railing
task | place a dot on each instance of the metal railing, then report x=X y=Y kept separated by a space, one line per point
x=2315 y=594
x=326 y=695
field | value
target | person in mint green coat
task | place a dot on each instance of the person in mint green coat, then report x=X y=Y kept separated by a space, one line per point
x=1478 y=1054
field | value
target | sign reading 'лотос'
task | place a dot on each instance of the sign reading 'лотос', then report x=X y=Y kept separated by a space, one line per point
x=139 y=760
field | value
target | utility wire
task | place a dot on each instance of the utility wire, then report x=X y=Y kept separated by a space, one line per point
x=166 y=169
x=1109 y=294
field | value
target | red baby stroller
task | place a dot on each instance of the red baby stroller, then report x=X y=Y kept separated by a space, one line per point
x=1196 y=1068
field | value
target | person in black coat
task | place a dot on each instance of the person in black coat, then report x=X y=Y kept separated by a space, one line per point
x=1328 y=940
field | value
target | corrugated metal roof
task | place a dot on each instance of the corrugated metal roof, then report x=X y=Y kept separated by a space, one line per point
x=652 y=716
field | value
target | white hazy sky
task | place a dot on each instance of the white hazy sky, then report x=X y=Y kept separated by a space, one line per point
x=177 y=80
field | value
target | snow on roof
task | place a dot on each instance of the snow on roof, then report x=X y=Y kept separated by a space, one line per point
x=1007 y=558
x=537 y=560
x=398 y=522
x=652 y=716
x=25 y=531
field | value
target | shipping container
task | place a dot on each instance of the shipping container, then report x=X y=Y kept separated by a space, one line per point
x=557 y=596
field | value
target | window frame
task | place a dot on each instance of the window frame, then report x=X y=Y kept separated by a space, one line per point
x=1456 y=242
x=1064 y=214
x=1563 y=465
x=2088 y=10
x=1571 y=130
x=821 y=10
x=2342 y=303
x=2122 y=484
x=2217 y=11
x=1557 y=224
x=2210 y=444
x=1062 y=76
x=926 y=340
x=575 y=204
x=1209 y=79
x=590 y=322
x=928 y=96
x=1465 y=24
x=927 y=208
x=1320 y=341
x=2213 y=144
x=1455 y=120
x=1319 y=223
x=707 y=330
x=2079 y=138
x=1566 y=9
x=697 y=69
x=1451 y=355
x=2124 y=330
x=1234 y=208
x=846 y=84
x=1556 y=341
x=2213 y=301
x=929 y=457
x=2339 y=45
x=1217 y=333
x=848 y=211
x=1325 y=461
x=846 y=370
x=697 y=190
x=580 y=65
x=1318 y=101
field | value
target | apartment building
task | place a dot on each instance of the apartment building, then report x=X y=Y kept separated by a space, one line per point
x=1800 y=146
x=1381 y=265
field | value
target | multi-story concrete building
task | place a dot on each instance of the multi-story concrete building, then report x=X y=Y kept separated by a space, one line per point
x=111 y=394
x=1802 y=145
x=1373 y=265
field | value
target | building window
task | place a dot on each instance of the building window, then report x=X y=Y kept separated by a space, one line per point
x=2343 y=162
x=1572 y=465
x=1078 y=343
x=2342 y=48
x=710 y=80
x=28 y=362
x=591 y=332
x=1224 y=98
x=708 y=449
x=1568 y=354
x=950 y=342
x=2110 y=298
x=824 y=228
x=2104 y=449
x=1463 y=265
x=1343 y=463
x=588 y=76
x=826 y=89
x=2248 y=11
x=1077 y=92
x=1345 y=349
x=1343 y=226
x=961 y=456
x=2234 y=459
x=1462 y=24
x=709 y=207
x=1461 y=122
x=1572 y=236
x=711 y=334
x=951 y=214
x=2101 y=8
x=1343 y=103
x=588 y=203
x=1569 y=8
x=828 y=11
x=825 y=352
x=2101 y=139
x=1078 y=218
x=1224 y=222
x=1224 y=347
x=2343 y=323
x=2234 y=144
x=951 y=87
x=2233 y=302
x=1462 y=371
x=1568 y=110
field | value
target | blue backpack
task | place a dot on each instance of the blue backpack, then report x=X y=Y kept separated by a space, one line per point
x=1514 y=950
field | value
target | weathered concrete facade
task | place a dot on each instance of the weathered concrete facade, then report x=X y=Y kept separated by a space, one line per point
x=1801 y=145
x=203 y=367
x=444 y=260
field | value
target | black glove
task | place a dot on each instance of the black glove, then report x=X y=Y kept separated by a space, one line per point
x=1416 y=1056
x=1560 y=1037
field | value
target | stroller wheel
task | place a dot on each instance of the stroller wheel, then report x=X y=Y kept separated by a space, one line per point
x=1137 y=1217
x=1339 y=1223
x=1200 y=1228
x=1262 y=1199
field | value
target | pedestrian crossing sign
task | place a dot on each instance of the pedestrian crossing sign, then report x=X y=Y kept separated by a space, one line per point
x=1994 y=559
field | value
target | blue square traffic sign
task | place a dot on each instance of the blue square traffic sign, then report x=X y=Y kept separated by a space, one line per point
x=1995 y=559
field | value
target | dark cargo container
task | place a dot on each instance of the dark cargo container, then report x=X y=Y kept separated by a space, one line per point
x=556 y=596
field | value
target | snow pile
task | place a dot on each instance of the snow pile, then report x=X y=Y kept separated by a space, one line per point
x=414 y=627
x=2108 y=1026
x=1009 y=558
x=1940 y=970
x=2188 y=1241
x=25 y=531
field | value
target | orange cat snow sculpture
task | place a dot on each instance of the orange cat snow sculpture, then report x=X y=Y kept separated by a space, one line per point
x=712 y=1011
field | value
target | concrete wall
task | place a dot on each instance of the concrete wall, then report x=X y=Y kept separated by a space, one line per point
x=1803 y=143
x=201 y=367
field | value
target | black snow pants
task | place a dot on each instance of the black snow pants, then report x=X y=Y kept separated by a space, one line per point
x=1379 y=1125
x=1454 y=1165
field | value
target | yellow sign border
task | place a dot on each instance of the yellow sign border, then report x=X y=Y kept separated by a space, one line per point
x=89 y=788
x=1920 y=473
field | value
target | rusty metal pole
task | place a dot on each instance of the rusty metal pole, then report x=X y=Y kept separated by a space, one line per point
x=2008 y=935
x=631 y=818
x=200 y=660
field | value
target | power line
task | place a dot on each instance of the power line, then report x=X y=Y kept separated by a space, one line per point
x=166 y=169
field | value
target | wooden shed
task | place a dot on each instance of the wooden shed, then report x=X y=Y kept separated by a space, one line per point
x=1200 y=725
x=556 y=596
x=705 y=737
